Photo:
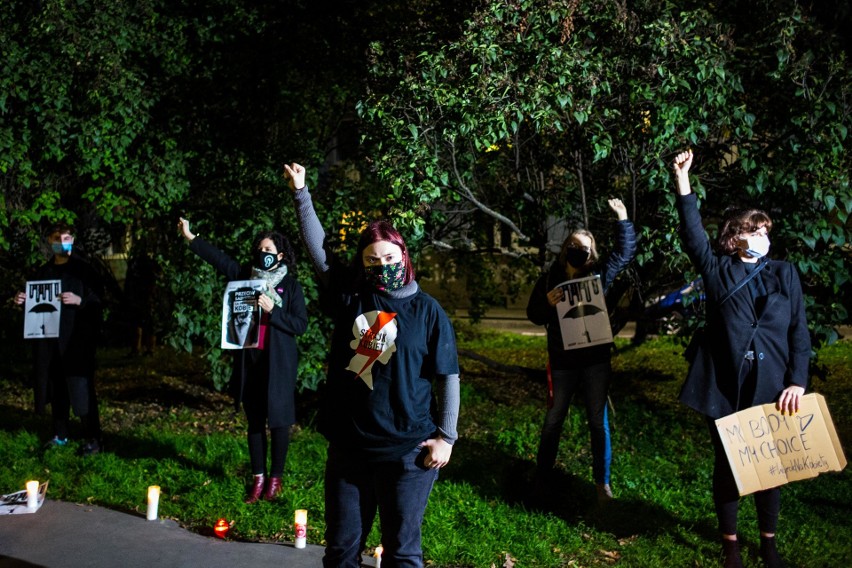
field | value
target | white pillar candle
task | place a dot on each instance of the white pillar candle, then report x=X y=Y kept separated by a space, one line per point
x=301 y=526
x=378 y=556
x=153 y=502
x=32 y=494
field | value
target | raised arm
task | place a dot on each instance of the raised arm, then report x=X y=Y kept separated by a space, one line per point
x=210 y=254
x=624 y=248
x=183 y=227
x=618 y=206
x=681 y=165
x=694 y=238
x=310 y=228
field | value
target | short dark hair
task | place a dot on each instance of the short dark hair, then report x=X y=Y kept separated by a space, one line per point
x=59 y=227
x=282 y=244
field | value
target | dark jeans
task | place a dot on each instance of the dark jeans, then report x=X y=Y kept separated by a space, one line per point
x=77 y=393
x=594 y=380
x=355 y=490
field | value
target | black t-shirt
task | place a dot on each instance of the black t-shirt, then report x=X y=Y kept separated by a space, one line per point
x=384 y=355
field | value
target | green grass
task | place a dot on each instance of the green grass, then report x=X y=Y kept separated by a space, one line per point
x=164 y=425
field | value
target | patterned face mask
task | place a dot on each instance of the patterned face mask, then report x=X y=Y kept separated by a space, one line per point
x=266 y=260
x=387 y=277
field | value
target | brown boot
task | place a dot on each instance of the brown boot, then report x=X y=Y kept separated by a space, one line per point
x=256 y=490
x=273 y=488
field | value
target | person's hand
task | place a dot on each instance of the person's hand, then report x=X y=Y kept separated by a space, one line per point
x=296 y=173
x=439 y=452
x=618 y=206
x=265 y=302
x=681 y=165
x=789 y=400
x=20 y=298
x=70 y=298
x=183 y=227
x=555 y=296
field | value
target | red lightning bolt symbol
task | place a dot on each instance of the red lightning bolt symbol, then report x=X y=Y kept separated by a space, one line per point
x=382 y=319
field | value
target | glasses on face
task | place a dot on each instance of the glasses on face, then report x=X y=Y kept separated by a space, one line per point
x=577 y=246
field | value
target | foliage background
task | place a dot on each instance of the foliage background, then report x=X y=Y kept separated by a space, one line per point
x=450 y=118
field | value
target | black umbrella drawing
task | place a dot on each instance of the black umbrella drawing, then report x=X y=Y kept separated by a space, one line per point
x=582 y=311
x=43 y=309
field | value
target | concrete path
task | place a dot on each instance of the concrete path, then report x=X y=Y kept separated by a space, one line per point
x=67 y=535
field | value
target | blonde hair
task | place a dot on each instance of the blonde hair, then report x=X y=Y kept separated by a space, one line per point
x=593 y=249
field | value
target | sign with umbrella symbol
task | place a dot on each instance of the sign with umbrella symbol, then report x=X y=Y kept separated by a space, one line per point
x=42 y=309
x=583 y=317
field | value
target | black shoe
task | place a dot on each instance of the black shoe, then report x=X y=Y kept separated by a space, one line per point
x=91 y=447
x=769 y=553
x=731 y=554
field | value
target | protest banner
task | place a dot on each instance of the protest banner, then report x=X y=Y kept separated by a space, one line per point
x=583 y=317
x=42 y=309
x=241 y=314
x=767 y=448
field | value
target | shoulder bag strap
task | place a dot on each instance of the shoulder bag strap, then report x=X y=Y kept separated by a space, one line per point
x=743 y=282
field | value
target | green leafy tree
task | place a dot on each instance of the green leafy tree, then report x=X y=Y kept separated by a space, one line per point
x=123 y=116
x=541 y=110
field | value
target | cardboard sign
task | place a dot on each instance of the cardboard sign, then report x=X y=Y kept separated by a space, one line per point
x=583 y=317
x=766 y=448
x=241 y=314
x=42 y=309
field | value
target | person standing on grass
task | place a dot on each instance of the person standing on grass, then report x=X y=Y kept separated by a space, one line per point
x=758 y=345
x=391 y=399
x=65 y=365
x=264 y=379
x=587 y=368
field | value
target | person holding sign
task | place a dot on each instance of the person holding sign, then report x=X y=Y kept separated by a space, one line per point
x=561 y=297
x=391 y=400
x=65 y=364
x=264 y=379
x=757 y=344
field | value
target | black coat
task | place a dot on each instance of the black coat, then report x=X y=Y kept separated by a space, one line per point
x=72 y=354
x=284 y=324
x=776 y=330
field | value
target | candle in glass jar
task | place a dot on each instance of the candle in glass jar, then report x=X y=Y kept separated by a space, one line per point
x=153 y=502
x=301 y=526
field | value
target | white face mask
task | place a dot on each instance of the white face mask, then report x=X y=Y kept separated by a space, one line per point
x=756 y=246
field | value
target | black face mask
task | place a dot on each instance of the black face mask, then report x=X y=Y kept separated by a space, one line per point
x=266 y=260
x=576 y=257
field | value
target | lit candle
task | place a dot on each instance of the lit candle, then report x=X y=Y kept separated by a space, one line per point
x=221 y=528
x=301 y=525
x=153 y=501
x=32 y=494
x=378 y=556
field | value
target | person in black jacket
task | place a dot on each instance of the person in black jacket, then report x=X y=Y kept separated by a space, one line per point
x=264 y=379
x=758 y=345
x=65 y=365
x=587 y=368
